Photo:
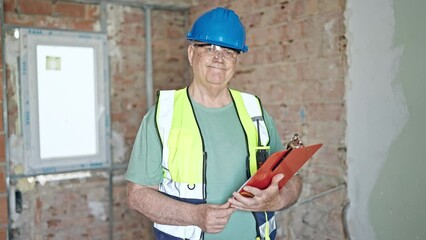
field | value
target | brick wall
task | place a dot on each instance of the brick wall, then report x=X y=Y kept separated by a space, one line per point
x=126 y=31
x=79 y=208
x=296 y=64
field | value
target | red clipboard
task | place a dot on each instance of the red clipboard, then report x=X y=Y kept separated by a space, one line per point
x=287 y=161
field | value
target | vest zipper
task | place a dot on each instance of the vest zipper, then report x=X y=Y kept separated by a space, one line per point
x=204 y=174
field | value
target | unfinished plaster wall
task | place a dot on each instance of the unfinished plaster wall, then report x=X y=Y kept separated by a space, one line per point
x=386 y=115
x=296 y=64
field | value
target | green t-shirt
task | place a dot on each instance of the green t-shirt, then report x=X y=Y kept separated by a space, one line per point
x=226 y=149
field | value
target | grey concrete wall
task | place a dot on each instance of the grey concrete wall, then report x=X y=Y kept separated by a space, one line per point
x=386 y=113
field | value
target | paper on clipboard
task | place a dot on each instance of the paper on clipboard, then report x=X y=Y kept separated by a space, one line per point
x=287 y=162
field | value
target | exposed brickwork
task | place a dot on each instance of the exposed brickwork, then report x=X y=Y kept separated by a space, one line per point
x=127 y=68
x=34 y=7
x=170 y=49
x=1 y=109
x=128 y=224
x=3 y=210
x=3 y=233
x=58 y=15
x=128 y=100
x=320 y=218
x=61 y=210
x=2 y=149
x=2 y=179
x=296 y=64
x=73 y=209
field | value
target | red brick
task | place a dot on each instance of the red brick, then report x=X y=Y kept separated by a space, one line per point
x=324 y=111
x=251 y=20
x=86 y=25
x=1 y=110
x=277 y=14
x=1 y=92
x=298 y=8
x=9 y=5
x=2 y=179
x=3 y=233
x=330 y=132
x=135 y=16
x=3 y=210
x=328 y=155
x=266 y=35
x=2 y=148
x=137 y=30
x=35 y=7
x=332 y=90
x=73 y=10
x=304 y=8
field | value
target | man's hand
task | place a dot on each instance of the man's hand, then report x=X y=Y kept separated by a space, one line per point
x=270 y=199
x=162 y=209
x=213 y=218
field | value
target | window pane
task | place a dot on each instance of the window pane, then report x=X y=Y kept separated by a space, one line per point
x=66 y=101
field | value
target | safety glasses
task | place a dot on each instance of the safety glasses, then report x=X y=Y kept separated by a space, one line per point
x=211 y=50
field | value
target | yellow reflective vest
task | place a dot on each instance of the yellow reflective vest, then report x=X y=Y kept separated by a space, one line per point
x=184 y=156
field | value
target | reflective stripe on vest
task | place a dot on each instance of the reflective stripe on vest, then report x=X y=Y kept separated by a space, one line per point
x=182 y=146
x=183 y=151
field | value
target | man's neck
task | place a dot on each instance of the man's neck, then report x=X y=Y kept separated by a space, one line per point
x=210 y=97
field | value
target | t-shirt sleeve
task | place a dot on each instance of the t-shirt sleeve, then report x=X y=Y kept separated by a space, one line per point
x=274 y=137
x=144 y=166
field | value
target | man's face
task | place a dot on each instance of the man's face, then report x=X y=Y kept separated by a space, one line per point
x=212 y=65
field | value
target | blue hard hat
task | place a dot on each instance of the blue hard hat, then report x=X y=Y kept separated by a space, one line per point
x=219 y=26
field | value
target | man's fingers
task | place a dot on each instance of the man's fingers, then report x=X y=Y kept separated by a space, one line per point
x=277 y=178
x=217 y=217
x=224 y=206
x=261 y=197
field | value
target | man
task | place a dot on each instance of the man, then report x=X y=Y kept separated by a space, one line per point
x=198 y=145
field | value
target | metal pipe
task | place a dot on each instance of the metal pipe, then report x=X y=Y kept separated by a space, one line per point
x=104 y=29
x=113 y=167
x=148 y=58
x=311 y=199
x=111 y=204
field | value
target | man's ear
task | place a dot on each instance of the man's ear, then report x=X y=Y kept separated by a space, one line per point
x=190 y=54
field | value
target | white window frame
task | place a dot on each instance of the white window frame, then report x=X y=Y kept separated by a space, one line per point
x=94 y=158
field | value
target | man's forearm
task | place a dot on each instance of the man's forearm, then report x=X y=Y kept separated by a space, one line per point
x=291 y=191
x=158 y=207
